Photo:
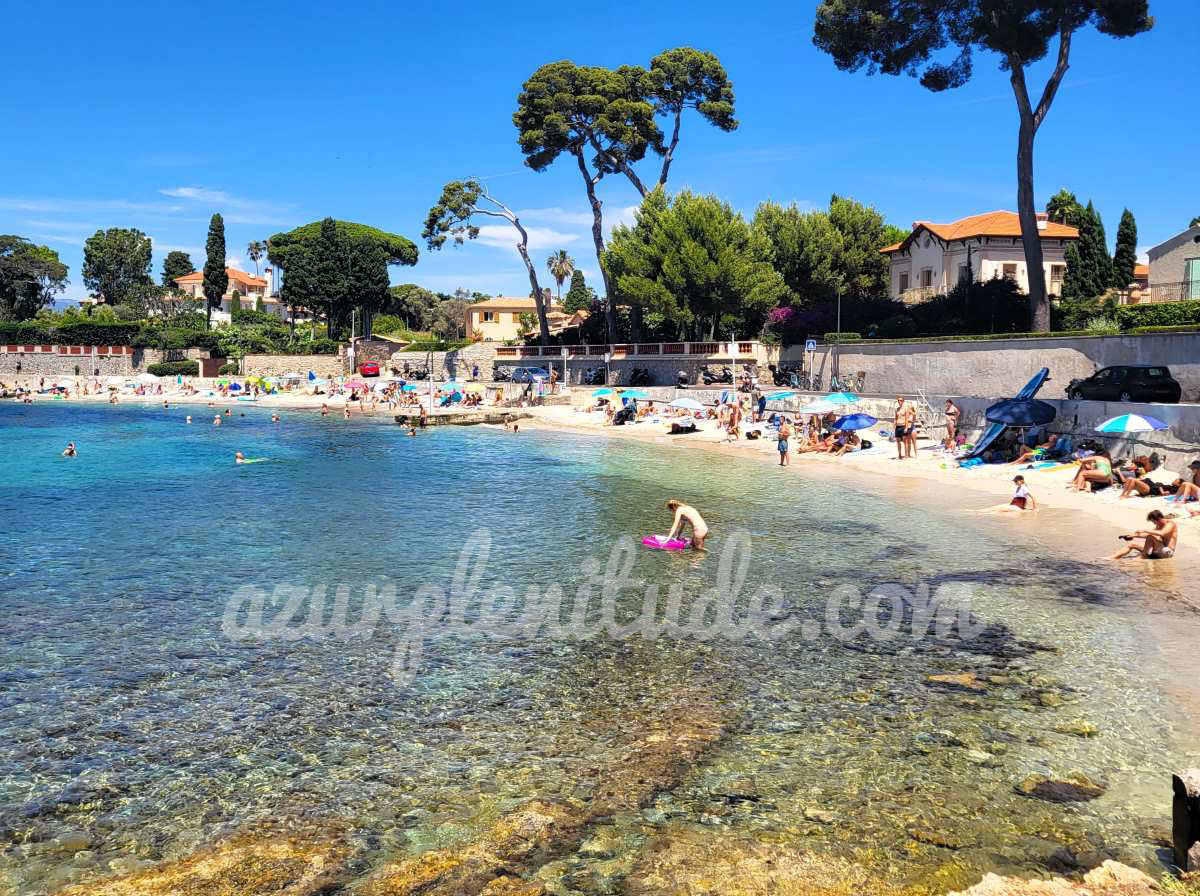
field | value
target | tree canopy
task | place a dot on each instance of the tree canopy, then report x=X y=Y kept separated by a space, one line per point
x=453 y=217
x=116 y=261
x=693 y=260
x=909 y=36
x=177 y=264
x=605 y=119
x=820 y=254
x=331 y=267
x=30 y=277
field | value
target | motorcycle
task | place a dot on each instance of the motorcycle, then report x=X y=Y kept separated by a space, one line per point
x=724 y=376
x=502 y=375
x=785 y=376
x=682 y=380
x=594 y=376
x=640 y=376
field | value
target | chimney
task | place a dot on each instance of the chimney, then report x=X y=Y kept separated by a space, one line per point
x=269 y=276
x=1042 y=220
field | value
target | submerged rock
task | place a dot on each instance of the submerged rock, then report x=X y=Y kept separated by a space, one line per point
x=1110 y=879
x=246 y=865
x=962 y=681
x=1078 y=728
x=1076 y=788
x=934 y=837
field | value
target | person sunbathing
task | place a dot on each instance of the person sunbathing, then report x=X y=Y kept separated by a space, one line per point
x=1140 y=484
x=1028 y=454
x=844 y=444
x=1094 y=471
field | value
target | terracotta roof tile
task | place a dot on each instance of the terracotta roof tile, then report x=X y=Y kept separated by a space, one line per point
x=999 y=223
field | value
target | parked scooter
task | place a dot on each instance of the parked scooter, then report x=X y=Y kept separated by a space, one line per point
x=682 y=381
x=639 y=376
x=723 y=376
x=502 y=375
x=785 y=376
x=593 y=376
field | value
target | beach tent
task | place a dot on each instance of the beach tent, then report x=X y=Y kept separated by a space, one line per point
x=687 y=404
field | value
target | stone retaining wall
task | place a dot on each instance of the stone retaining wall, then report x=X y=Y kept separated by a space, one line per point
x=50 y=365
x=662 y=372
x=1001 y=366
x=277 y=365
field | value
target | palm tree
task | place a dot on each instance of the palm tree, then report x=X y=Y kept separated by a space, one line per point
x=256 y=250
x=561 y=266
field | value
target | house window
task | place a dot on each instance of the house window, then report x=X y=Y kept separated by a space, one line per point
x=1010 y=272
x=1057 y=271
x=904 y=281
x=488 y=317
x=964 y=273
x=927 y=277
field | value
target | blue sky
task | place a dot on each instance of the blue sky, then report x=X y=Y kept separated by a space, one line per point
x=135 y=115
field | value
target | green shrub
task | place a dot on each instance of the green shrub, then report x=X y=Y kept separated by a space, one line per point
x=898 y=326
x=1103 y=326
x=229 y=368
x=831 y=338
x=254 y=316
x=1074 y=314
x=175 y=368
x=1159 y=314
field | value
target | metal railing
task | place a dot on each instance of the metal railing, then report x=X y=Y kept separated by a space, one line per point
x=1166 y=292
x=618 y=351
x=919 y=294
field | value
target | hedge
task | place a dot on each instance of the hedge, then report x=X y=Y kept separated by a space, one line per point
x=1182 y=328
x=831 y=338
x=230 y=368
x=1159 y=314
x=76 y=333
x=977 y=337
x=175 y=368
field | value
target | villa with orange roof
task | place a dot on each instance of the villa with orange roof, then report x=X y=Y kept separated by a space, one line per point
x=934 y=258
x=250 y=291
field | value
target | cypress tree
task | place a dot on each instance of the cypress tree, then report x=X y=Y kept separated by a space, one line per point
x=1125 y=256
x=1089 y=267
x=216 y=281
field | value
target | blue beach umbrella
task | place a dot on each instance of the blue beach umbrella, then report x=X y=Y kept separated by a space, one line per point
x=408 y=387
x=842 y=398
x=1127 y=423
x=600 y=393
x=1022 y=412
x=635 y=394
x=779 y=396
x=855 y=421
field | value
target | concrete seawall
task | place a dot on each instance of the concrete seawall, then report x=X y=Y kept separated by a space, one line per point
x=1001 y=366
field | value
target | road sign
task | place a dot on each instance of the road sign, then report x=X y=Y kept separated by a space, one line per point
x=810 y=345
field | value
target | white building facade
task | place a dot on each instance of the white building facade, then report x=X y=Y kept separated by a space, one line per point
x=934 y=258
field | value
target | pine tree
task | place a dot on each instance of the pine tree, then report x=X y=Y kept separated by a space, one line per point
x=216 y=280
x=1125 y=256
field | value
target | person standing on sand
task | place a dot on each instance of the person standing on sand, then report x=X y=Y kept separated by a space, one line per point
x=952 y=415
x=688 y=515
x=902 y=423
x=1159 y=544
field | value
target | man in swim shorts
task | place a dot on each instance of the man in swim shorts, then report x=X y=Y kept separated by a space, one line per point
x=785 y=433
x=903 y=424
x=1158 y=544
x=688 y=515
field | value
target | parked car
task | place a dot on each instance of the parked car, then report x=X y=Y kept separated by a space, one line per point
x=368 y=368
x=1127 y=382
x=529 y=374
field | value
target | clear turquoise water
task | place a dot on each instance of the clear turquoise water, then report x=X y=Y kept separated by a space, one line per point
x=129 y=722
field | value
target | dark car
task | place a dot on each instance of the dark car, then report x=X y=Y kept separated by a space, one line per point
x=1127 y=382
